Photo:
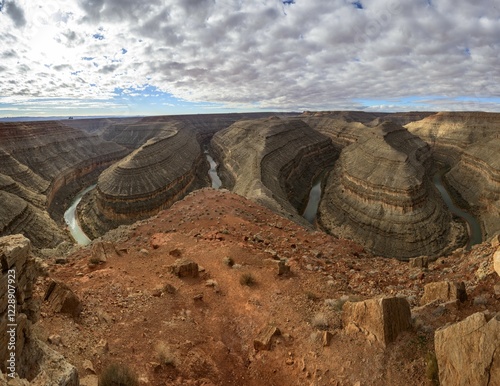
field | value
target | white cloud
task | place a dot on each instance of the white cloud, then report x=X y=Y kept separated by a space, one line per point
x=313 y=54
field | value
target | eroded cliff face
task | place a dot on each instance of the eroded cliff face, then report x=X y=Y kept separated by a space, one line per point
x=272 y=161
x=380 y=195
x=449 y=133
x=476 y=177
x=41 y=165
x=151 y=178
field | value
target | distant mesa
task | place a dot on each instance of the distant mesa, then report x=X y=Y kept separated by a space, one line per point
x=380 y=195
x=273 y=161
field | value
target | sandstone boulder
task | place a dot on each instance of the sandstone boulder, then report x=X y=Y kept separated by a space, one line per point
x=62 y=299
x=419 y=262
x=468 y=352
x=382 y=319
x=444 y=291
x=185 y=268
x=264 y=339
x=102 y=251
x=496 y=261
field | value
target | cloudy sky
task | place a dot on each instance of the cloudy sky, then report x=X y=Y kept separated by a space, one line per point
x=130 y=57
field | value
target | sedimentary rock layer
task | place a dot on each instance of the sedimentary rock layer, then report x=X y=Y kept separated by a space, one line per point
x=272 y=161
x=476 y=177
x=449 y=133
x=380 y=195
x=151 y=178
x=41 y=165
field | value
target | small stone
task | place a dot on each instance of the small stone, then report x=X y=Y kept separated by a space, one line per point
x=326 y=337
x=496 y=261
x=54 y=339
x=264 y=339
x=198 y=297
x=480 y=301
x=61 y=260
x=88 y=366
x=283 y=268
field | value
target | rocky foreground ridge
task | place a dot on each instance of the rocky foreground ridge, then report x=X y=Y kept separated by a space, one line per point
x=41 y=165
x=218 y=290
x=273 y=161
x=380 y=195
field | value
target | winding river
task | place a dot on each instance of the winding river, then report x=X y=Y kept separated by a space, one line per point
x=214 y=177
x=473 y=226
x=313 y=202
x=72 y=221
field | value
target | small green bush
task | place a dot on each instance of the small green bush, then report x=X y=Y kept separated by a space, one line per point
x=118 y=375
x=247 y=279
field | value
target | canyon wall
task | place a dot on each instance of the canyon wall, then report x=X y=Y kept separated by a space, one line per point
x=449 y=133
x=476 y=177
x=42 y=165
x=380 y=195
x=151 y=178
x=273 y=161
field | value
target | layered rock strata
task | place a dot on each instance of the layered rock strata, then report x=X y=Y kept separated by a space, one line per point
x=449 y=133
x=150 y=179
x=379 y=194
x=41 y=165
x=34 y=361
x=272 y=161
x=476 y=177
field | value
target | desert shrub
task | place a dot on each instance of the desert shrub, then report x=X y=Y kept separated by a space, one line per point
x=118 y=375
x=94 y=260
x=311 y=296
x=247 y=279
x=164 y=355
x=228 y=261
x=320 y=321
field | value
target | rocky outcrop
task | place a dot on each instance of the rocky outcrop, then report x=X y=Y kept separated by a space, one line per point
x=272 y=161
x=476 y=177
x=444 y=291
x=43 y=164
x=381 y=319
x=151 y=178
x=18 y=311
x=449 y=133
x=379 y=194
x=467 y=352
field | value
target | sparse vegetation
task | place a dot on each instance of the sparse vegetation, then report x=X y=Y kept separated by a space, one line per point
x=94 y=260
x=247 y=279
x=320 y=321
x=118 y=375
x=228 y=261
x=164 y=355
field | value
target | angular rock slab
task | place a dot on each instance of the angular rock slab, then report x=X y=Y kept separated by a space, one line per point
x=444 y=291
x=382 y=319
x=468 y=352
x=264 y=339
x=62 y=299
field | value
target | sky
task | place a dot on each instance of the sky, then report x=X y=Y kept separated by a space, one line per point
x=130 y=57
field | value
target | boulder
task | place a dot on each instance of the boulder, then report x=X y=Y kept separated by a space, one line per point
x=467 y=352
x=382 y=319
x=496 y=261
x=419 y=262
x=264 y=339
x=62 y=299
x=102 y=251
x=444 y=291
x=185 y=268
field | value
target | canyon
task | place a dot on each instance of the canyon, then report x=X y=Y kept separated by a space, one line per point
x=325 y=254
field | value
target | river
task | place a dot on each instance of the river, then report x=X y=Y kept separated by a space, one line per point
x=72 y=221
x=214 y=177
x=313 y=201
x=473 y=226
